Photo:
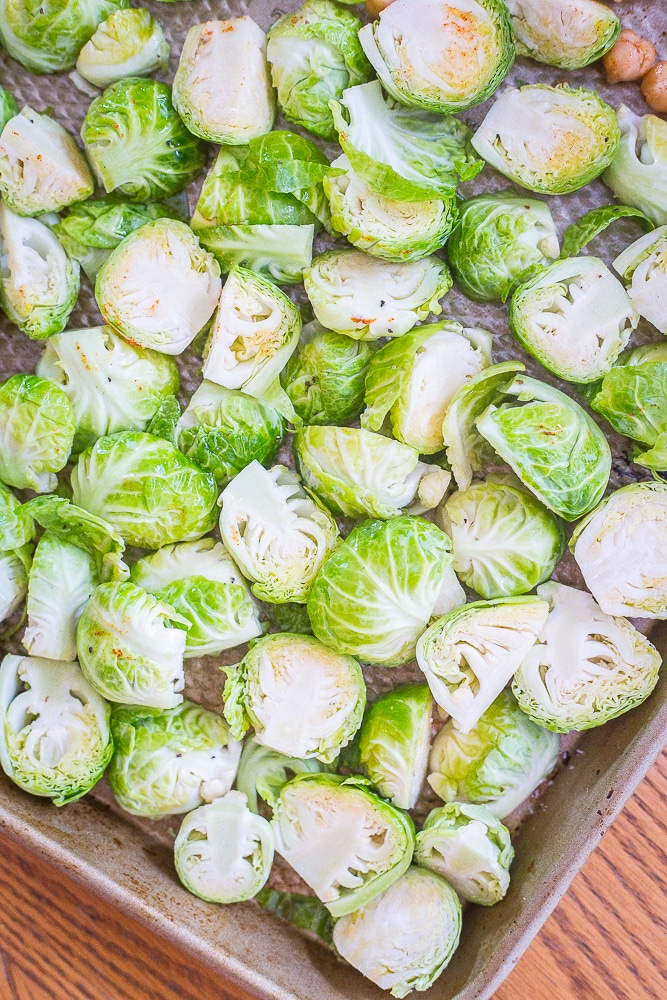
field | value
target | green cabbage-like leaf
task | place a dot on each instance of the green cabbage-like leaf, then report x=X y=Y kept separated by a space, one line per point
x=633 y=399
x=36 y=432
x=16 y=524
x=263 y=772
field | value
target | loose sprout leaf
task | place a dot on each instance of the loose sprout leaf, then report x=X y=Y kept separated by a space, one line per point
x=263 y=772
x=8 y=106
x=277 y=252
x=579 y=234
x=16 y=524
x=304 y=912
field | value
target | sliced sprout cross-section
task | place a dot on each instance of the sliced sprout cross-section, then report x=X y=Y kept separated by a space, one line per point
x=263 y=772
x=643 y=265
x=638 y=173
x=565 y=33
x=14 y=568
x=129 y=43
x=36 y=432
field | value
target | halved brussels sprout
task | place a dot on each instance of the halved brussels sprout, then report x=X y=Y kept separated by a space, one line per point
x=643 y=265
x=54 y=733
x=263 y=772
x=451 y=57
x=279 y=253
x=146 y=489
x=573 y=136
x=468 y=847
x=367 y=298
x=394 y=742
x=36 y=432
x=277 y=533
x=362 y=605
x=633 y=398
x=504 y=541
x=137 y=143
x=302 y=698
x=16 y=524
x=565 y=33
x=414 y=379
x=586 y=668
x=620 y=550
x=315 y=55
x=497 y=240
x=347 y=844
x=171 y=761
x=638 y=173
x=222 y=89
x=469 y=655
x=223 y=852
x=39 y=284
x=14 y=567
x=159 y=287
x=498 y=764
x=41 y=167
x=129 y=43
x=8 y=106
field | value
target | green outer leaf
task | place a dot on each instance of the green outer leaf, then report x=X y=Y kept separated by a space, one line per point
x=36 y=432
x=579 y=234
x=277 y=252
x=8 y=106
x=633 y=398
x=304 y=912
x=263 y=772
x=16 y=524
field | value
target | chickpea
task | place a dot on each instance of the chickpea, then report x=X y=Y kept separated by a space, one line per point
x=375 y=7
x=630 y=58
x=654 y=87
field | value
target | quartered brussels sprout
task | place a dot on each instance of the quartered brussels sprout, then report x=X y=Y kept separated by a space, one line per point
x=171 y=761
x=14 y=567
x=277 y=252
x=638 y=173
x=222 y=89
x=414 y=379
x=36 y=432
x=223 y=852
x=137 y=143
x=201 y=583
x=367 y=298
x=468 y=847
x=263 y=772
x=499 y=763
x=8 y=106
x=39 y=284
x=54 y=737
x=129 y=43
x=315 y=55
x=504 y=542
x=347 y=844
x=469 y=655
x=16 y=525
x=633 y=399
x=450 y=58
x=586 y=668
x=565 y=33
x=643 y=265
x=394 y=742
x=159 y=287
x=302 y=698
x=574 y=317
x=360 y=605
x=277 y=533
x=573 y=137
x=497 y=240
x=146 y=489
x=41 y=167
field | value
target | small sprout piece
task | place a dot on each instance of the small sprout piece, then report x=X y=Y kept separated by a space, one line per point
x=644 y=265
x=16 y=524
x=54 y=729
x=14 y=567
x=279 y=253
x=36 y=432
x=468 y=847
x=171 y=761
x=129 y=43
x=573 y=137
x=565 y=33
x=394 y=742
x=498 y=764
x=347 y=844
x=263 y=772
x=638 y=173
x=654 y=87
x=630 y=58
x=633 y=398
x=8 y=106
x=223 y=852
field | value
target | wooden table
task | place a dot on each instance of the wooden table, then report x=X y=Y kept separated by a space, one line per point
x=606 y=941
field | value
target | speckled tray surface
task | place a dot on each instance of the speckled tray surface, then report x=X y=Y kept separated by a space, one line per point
x=129 y=860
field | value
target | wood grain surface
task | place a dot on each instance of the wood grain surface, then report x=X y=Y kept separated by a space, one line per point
x=606 y=940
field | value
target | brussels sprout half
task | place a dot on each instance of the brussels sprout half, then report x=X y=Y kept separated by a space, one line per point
x=565 y=33
x=637 y=175
x=36 y=432
x=643 y=265
x=129 y=43
x=633 y=399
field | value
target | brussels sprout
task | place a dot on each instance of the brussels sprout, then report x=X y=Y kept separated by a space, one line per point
x=407 y=52
x=159 y=288
x=620 y=551
x=552 y=444
x=469 y=655
x=146 y=489
x=385 y=228
x=314 y=56
x=280 y=253
x=171 y=761
x=54 y=734
x=586 y=668
x=638 y=173
x=360 y=604
x=16 y=525
x=496 y=242
x=112 y=385
x=8 y=106
x=39 y=284
x=222 y=89
x=573 y=137
x=403 y=939
x=303 y=699
x=14 y=567
x=129 y=43
x=504 y=541
x=345 y=842
x=470 y=848
x=403 y=153
x=137 y=143
x=498 y=764
x=633 y=398
x=263 y=772
x=36 y=432
x=565 y=33
x=41 y=167
x=223 y=852
x=643 y=265
x=367 y=299
x=394 y=742
x=414 y=379
x=201 y=583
